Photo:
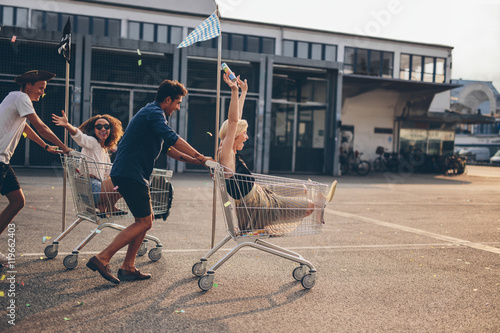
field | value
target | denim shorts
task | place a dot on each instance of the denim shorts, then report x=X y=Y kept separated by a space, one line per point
x=96 y=189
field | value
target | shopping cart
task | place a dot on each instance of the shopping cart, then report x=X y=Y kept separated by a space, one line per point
x=81 y=171
x=249 y=222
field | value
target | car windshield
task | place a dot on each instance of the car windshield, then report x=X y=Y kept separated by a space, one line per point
x=497 y=153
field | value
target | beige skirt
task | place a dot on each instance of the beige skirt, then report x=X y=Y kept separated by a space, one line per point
x=274 y=211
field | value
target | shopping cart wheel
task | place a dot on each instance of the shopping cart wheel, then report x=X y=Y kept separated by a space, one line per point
x=70 y=261
x=143 y=249
x=199 y=269
x=51 y=251
x=155 y=254
x=206 y=282
x=298 y=273
x=308 y=281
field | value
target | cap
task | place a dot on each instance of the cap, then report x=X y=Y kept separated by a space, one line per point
x=34 y=76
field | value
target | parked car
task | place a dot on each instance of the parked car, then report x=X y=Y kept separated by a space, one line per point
x=495 y=159
x=478 y=154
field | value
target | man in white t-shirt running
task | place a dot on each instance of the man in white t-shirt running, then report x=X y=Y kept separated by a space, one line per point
x=14 y=110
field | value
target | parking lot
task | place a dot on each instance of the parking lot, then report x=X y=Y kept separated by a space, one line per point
x=398 y=253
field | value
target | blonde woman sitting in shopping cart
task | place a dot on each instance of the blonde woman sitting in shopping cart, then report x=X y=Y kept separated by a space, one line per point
x=258 y=206
x=98 y=138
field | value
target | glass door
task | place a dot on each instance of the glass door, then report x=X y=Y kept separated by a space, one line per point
x=297 y=140
x=310 y=140
x=283 y=133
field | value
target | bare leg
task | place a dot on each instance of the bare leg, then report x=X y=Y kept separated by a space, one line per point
x=16 y=203
x=133 y=248
x=133 y=236
x=109 y=196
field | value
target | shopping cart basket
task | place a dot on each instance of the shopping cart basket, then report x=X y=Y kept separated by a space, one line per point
x=80 y=171
x=249 y=222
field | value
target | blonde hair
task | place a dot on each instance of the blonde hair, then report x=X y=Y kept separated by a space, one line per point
x=240 y=128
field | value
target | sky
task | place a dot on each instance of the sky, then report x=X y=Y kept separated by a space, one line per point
x=472 y=27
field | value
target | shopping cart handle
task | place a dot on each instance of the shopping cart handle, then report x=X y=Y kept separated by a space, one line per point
x=211 y=164
x=75 y=153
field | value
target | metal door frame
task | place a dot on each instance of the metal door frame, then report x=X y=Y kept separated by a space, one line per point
x=296 y=123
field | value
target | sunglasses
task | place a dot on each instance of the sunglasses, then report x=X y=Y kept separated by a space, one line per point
x=100 y=126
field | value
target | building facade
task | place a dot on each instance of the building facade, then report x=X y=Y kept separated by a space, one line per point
x=477 y=98
x=307 y=88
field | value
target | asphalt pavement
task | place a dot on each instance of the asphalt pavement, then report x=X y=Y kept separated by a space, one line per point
x=398 y=253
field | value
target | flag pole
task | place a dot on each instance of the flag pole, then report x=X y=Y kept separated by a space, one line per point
x=66 y=107
x=64 y=48
x=217 y=117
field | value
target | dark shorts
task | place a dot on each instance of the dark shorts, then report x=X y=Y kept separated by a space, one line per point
x=135 y=194
x=8 y=179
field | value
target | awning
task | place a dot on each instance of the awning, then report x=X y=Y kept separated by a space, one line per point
x=451 y=117
x=354 y=85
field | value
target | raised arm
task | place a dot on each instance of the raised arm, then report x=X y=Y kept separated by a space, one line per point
x=45 y=132
x=244 y=88
x=226 y=156
x=63 y=122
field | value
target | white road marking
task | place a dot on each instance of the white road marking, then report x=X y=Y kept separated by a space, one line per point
x=478 y=246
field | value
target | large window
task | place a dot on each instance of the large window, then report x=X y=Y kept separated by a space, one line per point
x=422 y=68
x=151 y=32
x=368 y=62
x=87 y=25
x=14 y=16
x=306 y=50
x=426 y=141
x=245 y=43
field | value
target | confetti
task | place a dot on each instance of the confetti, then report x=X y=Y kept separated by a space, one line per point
x=28 y=304
x=79 y=304
x=209 y=133
x=98 y=231
x=139 y=52
x=179 y=311
x=227 y=204
x=25 y=135
x=215 y=285
x=52 y=187
x=3 y=278
x=115 y=188
x=22 y=283
x=13 y=40
x=66 y=318
x=43 y=95
x=2 y=294
x=41 y=258
x=139 y=62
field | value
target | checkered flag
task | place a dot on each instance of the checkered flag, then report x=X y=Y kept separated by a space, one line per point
x=210 y=28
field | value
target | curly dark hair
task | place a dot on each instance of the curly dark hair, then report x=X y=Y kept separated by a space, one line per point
x=115 y=131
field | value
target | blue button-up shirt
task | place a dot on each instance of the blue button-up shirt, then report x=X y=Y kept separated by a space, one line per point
x=142 y=143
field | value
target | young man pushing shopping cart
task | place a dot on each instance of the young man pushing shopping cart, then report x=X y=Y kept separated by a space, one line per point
x=137 y=152
x=14 y=110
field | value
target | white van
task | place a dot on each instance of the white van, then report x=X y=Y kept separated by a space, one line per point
x=479 y=154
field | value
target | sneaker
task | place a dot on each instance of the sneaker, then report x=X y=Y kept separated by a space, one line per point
x=3 y=259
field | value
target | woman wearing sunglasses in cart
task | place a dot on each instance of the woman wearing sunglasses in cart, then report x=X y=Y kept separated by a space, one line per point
x=98 y=138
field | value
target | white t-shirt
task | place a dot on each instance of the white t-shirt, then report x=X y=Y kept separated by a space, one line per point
x=13 y=111
x=92 y=148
